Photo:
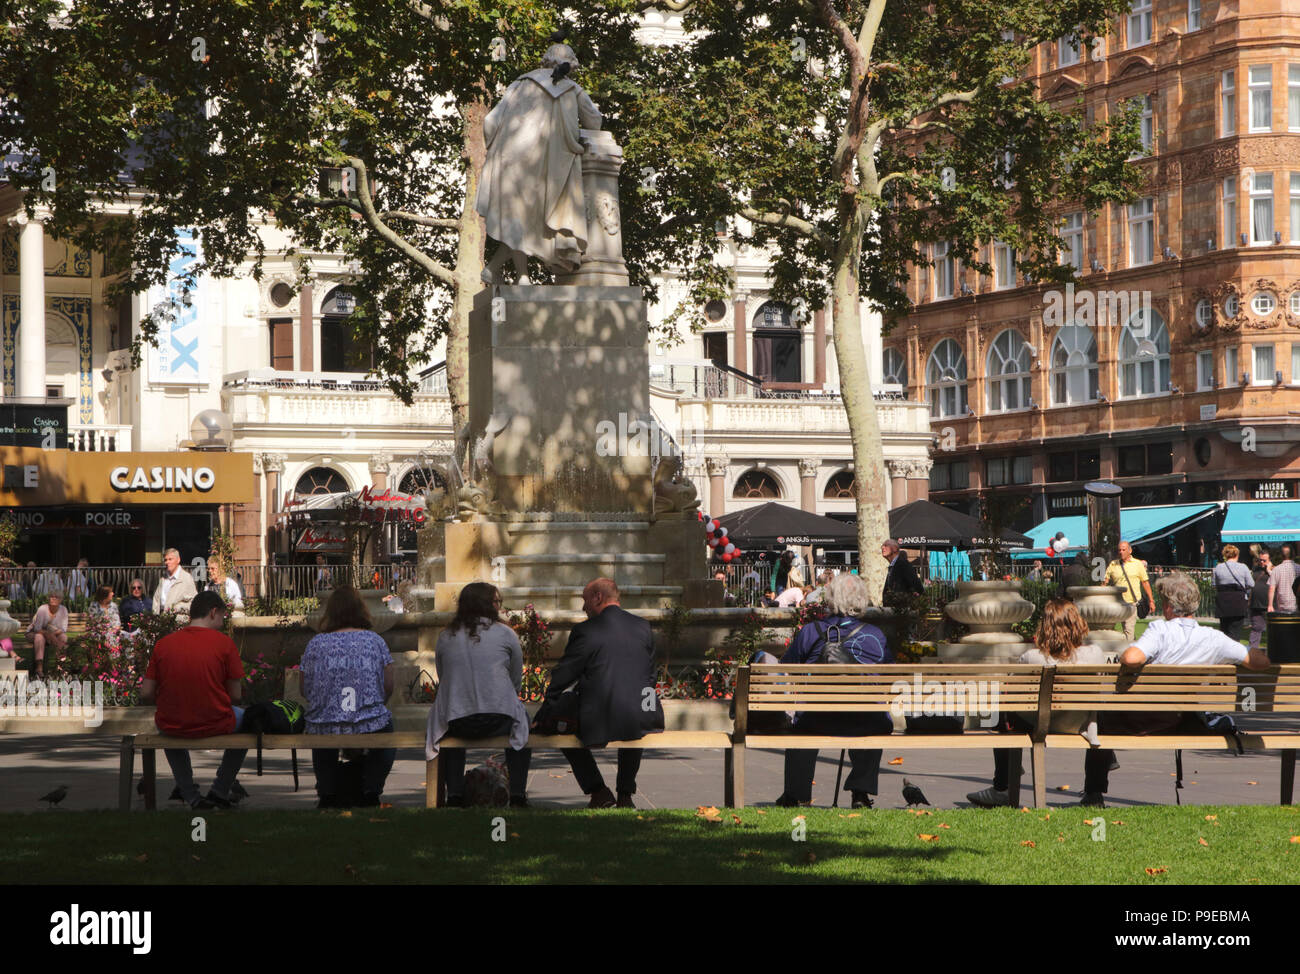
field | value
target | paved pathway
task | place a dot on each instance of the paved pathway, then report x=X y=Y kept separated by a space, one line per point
x=31 y=766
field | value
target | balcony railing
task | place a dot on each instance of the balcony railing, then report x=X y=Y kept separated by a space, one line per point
x=711 y=382
x=99 y=438
x=267 y=397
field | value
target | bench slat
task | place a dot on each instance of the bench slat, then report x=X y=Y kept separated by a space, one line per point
x=407 y=739
x=970 y=739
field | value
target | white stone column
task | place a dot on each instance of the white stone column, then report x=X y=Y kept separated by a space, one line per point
x=602 y=262
x=31 y=312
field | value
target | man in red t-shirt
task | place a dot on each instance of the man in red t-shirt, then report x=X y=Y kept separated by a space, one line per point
x=194 y=676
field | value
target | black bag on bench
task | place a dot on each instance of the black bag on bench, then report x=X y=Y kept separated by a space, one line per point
x=275 y=717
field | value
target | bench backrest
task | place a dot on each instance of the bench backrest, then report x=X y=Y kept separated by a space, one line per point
x=901 y=689
x=1175 y=688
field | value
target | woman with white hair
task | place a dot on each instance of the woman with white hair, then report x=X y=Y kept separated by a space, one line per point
x=842 y=637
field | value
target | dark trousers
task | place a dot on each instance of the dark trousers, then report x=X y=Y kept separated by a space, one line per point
x=483 y=725
x=801 y=765
x=1233 y=626
x=1097 y=760
x=375 y=766
x=588 y=774
x=1002 y=757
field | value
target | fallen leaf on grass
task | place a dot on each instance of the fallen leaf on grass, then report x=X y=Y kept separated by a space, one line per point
x=1295 y=838
x=1024 y=808
x=1031 y=843
x=1202 y=841
x=736 y=819
x=760 y=811
x=927 y=838
x=514 y=835
x=944 y=825
x=1117 y=822
x=345 y=814
x=896 y=761
x=1211 y=818
x=1156 y=870
x=854 y=815
x=143 y=857
x=1047 y=816
x=709 y=812
x=1060 y=836
x=799 y=818
x=1090 y=821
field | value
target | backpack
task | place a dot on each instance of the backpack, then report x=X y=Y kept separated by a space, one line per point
x=835 y=650
x=275 y=717
x=488 y=786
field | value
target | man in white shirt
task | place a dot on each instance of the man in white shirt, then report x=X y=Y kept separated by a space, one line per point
x=1177 y=639
x=176 y=588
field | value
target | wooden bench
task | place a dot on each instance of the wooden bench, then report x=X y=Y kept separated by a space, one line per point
x=1166 y=689
x=965 y=691
x=435 y=786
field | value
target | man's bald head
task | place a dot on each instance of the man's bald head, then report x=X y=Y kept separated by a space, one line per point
x=599 y=593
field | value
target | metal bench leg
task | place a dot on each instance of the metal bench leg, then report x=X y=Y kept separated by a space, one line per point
x=728 y=785
x=737 y=753
x=148 y=764
x=1288 y=776
x=432 y=771
x=125 y=773
x=1013 y=776
x=1039 y=765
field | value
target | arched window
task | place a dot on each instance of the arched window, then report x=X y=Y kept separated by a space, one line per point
x=778 y=344
x=757 y=485
x=1144 y=356
x=1074 y=366
x=415 y=482
x=320 y=480
x=840 y=487
x=895 y=367
x=1008 y=372
x=945 y=380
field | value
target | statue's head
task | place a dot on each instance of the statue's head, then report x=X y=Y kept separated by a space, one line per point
x=558 y=54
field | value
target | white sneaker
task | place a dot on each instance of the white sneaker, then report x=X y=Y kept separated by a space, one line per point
x=989 y=798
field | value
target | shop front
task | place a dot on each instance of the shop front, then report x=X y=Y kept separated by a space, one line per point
x=118 y=508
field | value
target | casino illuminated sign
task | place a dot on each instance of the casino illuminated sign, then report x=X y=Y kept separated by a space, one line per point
x=162 y=478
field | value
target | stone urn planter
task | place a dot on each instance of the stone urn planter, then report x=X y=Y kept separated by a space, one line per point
x=1101 y=607
x=990 y=609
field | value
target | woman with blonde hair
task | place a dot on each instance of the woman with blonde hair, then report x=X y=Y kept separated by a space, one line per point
x=1061 y=638
x=1233 y=585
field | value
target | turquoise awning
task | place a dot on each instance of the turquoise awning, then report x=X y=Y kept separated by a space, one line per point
x=1262 y=521
x=1137 y=524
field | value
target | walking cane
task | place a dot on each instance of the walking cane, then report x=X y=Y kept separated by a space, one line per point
x=838 y=775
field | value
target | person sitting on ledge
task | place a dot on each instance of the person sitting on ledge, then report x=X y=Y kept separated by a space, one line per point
x=49 y=625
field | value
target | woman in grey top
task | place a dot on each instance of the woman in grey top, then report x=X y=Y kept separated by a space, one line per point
x=1060 y=639
x=480 y=669
x=1233 y=585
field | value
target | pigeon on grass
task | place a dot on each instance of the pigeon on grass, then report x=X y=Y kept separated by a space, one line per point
x=56 y=796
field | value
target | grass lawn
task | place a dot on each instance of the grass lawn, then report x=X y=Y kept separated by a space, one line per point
x=1192 y=844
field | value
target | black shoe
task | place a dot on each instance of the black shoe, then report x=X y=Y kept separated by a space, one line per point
x=175 y=796
x=625 y=800
x=862 y=800
x=368 y=801
x=518 y=801
x=237 y=792
x=454 y=801
x=216 y=801
x=1092 y=799
x=201 y=805
x=602 y=798
x=785 y=801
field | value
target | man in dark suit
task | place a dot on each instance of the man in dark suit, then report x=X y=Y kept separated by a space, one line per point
x=902 y=576
x=611 y=657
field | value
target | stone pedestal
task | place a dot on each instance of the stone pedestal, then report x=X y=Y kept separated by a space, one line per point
x=566 y=370
x=990 y=609
x=602 y=263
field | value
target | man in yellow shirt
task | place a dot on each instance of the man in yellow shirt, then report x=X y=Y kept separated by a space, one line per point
x=1131 y=576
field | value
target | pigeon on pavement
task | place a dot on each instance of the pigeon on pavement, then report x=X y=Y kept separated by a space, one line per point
x=912 y=794
x=56 y=796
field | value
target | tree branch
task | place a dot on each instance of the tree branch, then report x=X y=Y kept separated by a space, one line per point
x=424 y=221
x=788 y=221
x=947 y=98
x=388 y=234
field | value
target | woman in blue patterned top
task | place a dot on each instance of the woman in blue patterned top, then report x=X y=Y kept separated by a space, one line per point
x=347 y=677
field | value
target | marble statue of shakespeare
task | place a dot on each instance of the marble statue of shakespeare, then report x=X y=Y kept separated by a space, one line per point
x=531 y=194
